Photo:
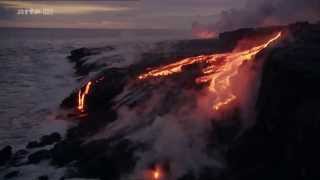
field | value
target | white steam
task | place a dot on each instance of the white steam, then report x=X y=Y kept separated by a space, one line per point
x=263 y=13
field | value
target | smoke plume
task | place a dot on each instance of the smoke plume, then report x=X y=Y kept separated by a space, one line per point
x=258 y=13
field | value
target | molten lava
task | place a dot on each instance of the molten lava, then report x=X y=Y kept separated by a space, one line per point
x=219 y=70
x=82 y=96
x=156 y=174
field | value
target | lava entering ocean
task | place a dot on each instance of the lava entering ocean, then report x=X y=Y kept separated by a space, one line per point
x=156 y=174
x=218 y=72
x=82 y=97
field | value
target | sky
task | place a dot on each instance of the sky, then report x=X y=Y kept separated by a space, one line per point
x=116 y=14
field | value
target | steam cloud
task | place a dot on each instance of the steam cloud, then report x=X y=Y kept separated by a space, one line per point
x=176 y=129
x=263 y=13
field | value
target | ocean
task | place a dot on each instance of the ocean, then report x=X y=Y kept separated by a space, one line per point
x=35 y=75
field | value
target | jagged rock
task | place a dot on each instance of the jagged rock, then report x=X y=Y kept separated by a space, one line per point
x=44 y=141
x=38 y=156
x=5 y=155
x=11 y=175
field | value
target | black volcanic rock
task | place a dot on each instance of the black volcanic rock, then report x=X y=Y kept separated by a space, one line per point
x=111 y=84
x=92 y=159
x=50 y=139
x=38 y=156
x=106 y=85
x=84 y=69
x=44 y=141
x=284 y=142
x=92 y=124
x=5 y=155
x=105 y=161
x=18 y=156
x=20 y=153
x=78 y=56
x=11 y=175
x=33 y=144
x=65 y=152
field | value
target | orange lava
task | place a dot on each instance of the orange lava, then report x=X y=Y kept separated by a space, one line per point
x=156 y=174
x=219 y=70
x=82 y=96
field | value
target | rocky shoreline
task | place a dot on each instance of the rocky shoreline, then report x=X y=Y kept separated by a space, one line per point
x=282 y=144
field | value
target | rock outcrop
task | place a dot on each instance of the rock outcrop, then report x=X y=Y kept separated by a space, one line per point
x=283 y=142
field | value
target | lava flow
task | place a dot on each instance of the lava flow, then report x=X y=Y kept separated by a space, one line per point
x=156 y=174
x=82 y=97
x=219 y=70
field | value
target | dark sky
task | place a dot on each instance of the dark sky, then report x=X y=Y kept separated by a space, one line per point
x=164 y=14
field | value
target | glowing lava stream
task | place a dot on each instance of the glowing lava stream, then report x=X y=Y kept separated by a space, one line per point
x=156 y=174
x=219 y=75
x=82 y=97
